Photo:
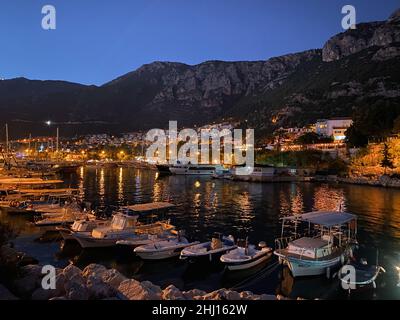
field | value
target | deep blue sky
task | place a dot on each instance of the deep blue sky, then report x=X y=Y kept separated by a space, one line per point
x=98 y=40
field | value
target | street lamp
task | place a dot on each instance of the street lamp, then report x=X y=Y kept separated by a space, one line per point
x=49 y=123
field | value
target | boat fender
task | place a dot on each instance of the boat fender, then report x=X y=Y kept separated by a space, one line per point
x=342 y=259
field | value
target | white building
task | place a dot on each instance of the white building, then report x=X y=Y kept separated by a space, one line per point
x=335 y=127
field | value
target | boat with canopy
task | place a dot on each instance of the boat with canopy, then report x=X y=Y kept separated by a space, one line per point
x=316 y=242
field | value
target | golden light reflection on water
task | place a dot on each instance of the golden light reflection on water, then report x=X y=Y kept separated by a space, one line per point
x=121 y=184
x=197 y=203
x=157 y=192
x=381 y=209
x=81 y=185
x=327 y=198
x=292 y=202
x=102 y=190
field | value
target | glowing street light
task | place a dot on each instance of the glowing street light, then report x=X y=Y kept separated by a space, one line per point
x=48 y=122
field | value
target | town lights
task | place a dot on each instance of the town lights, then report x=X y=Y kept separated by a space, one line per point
x=48 y=122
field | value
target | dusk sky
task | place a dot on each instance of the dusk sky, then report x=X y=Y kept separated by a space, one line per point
x=97 y=41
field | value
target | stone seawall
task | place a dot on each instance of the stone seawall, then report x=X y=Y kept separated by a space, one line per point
x=95 y=282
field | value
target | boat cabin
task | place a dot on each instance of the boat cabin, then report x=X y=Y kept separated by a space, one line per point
x=315 y=235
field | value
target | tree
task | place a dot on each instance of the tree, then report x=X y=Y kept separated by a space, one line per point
x=387 y=161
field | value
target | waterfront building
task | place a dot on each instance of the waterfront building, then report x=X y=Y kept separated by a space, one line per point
x=335 y=127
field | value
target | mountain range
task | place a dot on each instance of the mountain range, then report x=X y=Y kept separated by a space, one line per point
x=356 y=74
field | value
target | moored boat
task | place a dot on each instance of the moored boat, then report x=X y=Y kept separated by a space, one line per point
x=194 y=169
x=209 y=251
x=163 y=249
x=82 y=226
x=246 y=256
x=325 y=245
x=125 y=225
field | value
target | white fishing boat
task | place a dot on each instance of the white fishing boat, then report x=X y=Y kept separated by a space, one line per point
x=321 y=242
x=209 y=251
x=194 y=169
x=142 y=239
x=246 y=256
x=124 y=226
x=65 y=216
x=83 y=226
x=163 y=249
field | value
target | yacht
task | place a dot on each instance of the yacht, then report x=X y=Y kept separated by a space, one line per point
x=194 y=169
x=318 y=242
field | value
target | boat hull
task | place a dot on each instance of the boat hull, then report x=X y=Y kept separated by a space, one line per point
x=238 y=266
x=90 y=242
x=184 y=171
x=307 y=268
x=159 y=255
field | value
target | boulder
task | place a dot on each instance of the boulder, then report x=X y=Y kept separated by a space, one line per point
x=98 y=289
x=30 y=279
x=135 y=290
x=93 y=269
x=194 y=294
x=5 y=294
x=172 y=293
x=222 y=294
x=77 y=292
x=76 y=279
x=246 y=295
x=113 y=278
x=43 y=294
x=71 y=271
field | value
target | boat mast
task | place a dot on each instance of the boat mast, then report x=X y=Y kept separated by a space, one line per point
x=6 y=137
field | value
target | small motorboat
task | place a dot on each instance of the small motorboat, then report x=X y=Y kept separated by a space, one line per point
x=357 y=275
x=64 y=217
x=138 y=240
x=246 y=256
x=211 y=250
x=163 y=249
x=83 y=226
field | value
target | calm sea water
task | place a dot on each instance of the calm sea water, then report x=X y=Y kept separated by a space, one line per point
x=205 y=205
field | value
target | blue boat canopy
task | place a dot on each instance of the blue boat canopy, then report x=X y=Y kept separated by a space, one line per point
x=324 y=218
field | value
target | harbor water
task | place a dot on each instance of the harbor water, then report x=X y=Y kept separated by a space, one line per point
x=204 y=206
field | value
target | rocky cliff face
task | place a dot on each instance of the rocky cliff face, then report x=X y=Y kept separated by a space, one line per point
x=382 y=34
x=212 y=84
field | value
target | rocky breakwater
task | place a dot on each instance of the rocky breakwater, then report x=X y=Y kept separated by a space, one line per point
x=96 y=282
x=382 y=181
